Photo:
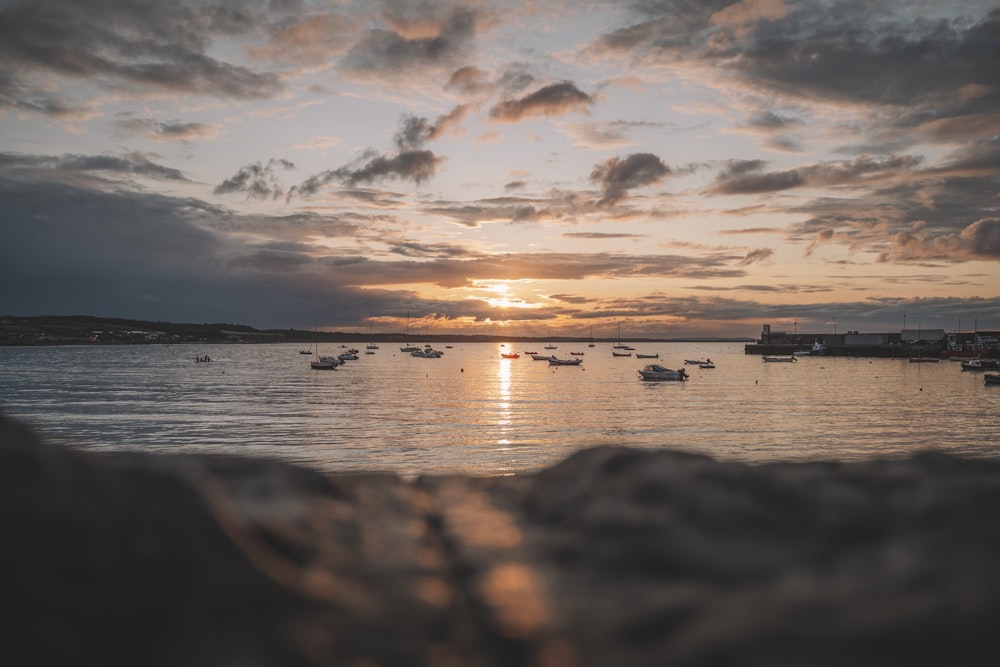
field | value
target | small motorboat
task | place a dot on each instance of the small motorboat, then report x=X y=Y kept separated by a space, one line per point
x=658 y=372
x=990 y=378
x=348 y=356
x=708 y=365
x=979 y=364
x=639 y=355
x=554 y=361
x=620 y=354
x=771 y=359
x=578 y=354
x=540 y=357
x=510 y=355
x=697 y=362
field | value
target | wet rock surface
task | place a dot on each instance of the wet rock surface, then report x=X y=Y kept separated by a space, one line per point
x=612 y=557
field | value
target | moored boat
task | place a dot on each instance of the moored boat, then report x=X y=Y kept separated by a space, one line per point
x=990 y=378
x=979 y=364
x=540 y=357
x=639 y=355
x=620 y=354
x=658 y=372
x=510 y=355
x=555 y=361
x=773 y=359
x=924 y=360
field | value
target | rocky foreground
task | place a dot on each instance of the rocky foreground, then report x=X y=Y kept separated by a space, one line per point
x=613 y=557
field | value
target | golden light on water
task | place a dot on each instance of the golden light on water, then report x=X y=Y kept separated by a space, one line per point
x=504 y=371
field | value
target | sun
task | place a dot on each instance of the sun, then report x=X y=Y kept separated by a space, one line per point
x=504 y=296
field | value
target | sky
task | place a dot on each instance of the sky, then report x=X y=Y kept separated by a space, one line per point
x=662 y=168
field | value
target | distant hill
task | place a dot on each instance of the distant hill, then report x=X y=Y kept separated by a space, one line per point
x=89 y=329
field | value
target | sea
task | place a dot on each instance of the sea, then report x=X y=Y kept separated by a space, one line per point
x=473 y=412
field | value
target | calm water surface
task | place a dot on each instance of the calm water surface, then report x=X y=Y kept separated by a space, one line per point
x=473 y=412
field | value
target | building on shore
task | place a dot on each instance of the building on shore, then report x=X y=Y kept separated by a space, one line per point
x=903 y=343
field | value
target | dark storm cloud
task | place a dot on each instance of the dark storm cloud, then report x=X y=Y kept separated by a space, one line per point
x=156 y=46
x=68 y=249
x=411 y=44
x=553 y=100
x=257 y=180
x=617 y=176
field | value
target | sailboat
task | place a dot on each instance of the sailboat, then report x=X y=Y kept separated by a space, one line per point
x=620 y=345
x=408 y=347
x=324 y=363
x=591 y=336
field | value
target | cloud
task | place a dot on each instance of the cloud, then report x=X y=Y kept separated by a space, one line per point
x=935 y=77
x=415 y=131
x=154 y=130
x=469 y=81
x=413 y=165
x=552 y=100
x=980 y=240
x=411 y=162
x=257 y=180
x=162 y=47
x=617 y=176
x=49 y=166
x=408 y=44
x=747 y=176
x=757 y=255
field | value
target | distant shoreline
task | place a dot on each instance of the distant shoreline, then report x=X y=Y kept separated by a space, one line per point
x=91 y=330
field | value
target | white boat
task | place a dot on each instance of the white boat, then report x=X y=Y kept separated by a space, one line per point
x=817 y=350
x=979 y=364
x=325 y=364
x=348 y=356
x=658 y=372
x=771 y=359
x=554 y=361
x=550 y=347
x=540 y=357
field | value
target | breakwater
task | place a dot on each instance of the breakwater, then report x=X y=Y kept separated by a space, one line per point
x=883 y=351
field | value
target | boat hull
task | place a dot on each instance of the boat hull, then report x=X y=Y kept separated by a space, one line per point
x=659 y=373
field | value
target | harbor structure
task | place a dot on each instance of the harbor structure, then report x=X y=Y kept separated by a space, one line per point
x=902 y=343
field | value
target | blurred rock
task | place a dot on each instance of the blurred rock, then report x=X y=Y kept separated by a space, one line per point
x=613 y=557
